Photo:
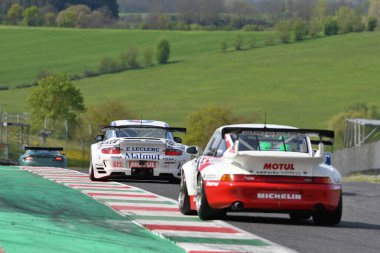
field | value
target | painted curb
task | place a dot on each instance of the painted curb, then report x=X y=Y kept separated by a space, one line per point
x=161 y=216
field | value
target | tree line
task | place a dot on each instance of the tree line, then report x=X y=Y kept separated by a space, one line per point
x=177 y=14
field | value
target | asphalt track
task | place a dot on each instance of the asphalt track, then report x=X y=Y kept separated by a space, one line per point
x=359 y=230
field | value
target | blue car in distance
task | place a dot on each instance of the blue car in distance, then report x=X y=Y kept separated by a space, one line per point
x=43 y=157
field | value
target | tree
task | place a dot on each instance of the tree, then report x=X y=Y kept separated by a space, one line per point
x=300 y=29
x=202 y=123
x=32 y=16
x=147 y=57
x=355 y=110
x=56 y=99
x=374 y=9
x=100 y=115
x=14 y=14
x=346 y=19
x=163 y=51
x=331 y=26
x=372 y=23
x=238 y=42
x=284 y=28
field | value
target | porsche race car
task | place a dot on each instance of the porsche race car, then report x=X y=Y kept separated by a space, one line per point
x=138 y=149
x=43 y=157
x=263 y=168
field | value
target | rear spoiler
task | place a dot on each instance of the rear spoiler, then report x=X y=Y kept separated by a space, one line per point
x=44 y=148
x=286 y=131
x=169 y=129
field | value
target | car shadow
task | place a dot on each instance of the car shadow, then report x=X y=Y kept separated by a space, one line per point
x=147 y=181
x=287 y=221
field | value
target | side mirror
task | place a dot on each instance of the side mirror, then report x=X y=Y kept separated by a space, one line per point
x=177 y=139
x=192 y=150
x=99 y=138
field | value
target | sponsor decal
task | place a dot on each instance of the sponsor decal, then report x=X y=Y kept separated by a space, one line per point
x=212 y=183
x=280 y=196
x=116 y=157
x=117 y=164
x=276 y=172
x=142 y=164
x=142 y=156
x=142 y=149
x=278 y=166
x=209 y=177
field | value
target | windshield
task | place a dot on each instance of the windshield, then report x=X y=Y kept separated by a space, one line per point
x=275 y=142
x=143 y=133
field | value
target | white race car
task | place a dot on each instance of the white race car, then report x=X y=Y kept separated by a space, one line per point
x=139 y=149
x=263 y=168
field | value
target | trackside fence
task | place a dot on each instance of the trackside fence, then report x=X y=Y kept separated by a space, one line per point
x=356 y=159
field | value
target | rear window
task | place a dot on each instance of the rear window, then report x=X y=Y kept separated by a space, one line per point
x=143 y=133
x=275 y=142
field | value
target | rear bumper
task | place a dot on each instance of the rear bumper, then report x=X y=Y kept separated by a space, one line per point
x=277 y=197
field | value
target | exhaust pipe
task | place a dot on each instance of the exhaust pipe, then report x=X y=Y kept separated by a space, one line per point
x=318 y=208
x=237 y=206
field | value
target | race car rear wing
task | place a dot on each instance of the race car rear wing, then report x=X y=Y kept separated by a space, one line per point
x=44 y=148
x=169 y=129
x=286 y=131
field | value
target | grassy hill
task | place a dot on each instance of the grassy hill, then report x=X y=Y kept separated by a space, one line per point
x=301 y=84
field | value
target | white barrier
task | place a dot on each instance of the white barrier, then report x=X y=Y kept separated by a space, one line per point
x=355 y=159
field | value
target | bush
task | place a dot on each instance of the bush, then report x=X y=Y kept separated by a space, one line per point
x=89 y=73
x=269 y=40
x=148 y=57
x=22 y=86
x=251 y=28
x=108 y=65
x=252 y=42
x=300 y=29
x=223 y=46
x=163 y=51
x=132 y=58
x=238 y=42
x=315 y=27
x=331 y=26
x=284 y=28
x=371 y=24
x=4 y=88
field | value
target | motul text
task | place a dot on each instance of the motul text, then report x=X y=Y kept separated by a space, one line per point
x=278 y=166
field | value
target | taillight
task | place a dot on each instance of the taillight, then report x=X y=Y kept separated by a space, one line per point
x=58 y=158
x=321 y=180
x=173 y=152
x=114 y=150
x=274 y=179
x=29 y=158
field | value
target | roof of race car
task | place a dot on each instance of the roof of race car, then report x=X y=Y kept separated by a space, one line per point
x=137 y=122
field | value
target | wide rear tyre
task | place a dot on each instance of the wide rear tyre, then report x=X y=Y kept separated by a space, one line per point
x=184 y=199
x=327 y=218
x=205 y=212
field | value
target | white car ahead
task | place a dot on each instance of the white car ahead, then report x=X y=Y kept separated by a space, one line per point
x=138 y=149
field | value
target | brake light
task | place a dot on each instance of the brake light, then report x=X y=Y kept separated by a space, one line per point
x=321 y=180
x=173 y=152
x=114 y=150
x=58 y=158
x=274 y=179
x=29 y=158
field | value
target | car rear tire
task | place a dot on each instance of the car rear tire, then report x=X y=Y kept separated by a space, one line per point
x=92 y=176
x=329 y=218
x=205 y=212
x=184 y=199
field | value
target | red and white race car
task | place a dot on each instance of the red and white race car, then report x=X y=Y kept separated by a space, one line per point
x=263 y=168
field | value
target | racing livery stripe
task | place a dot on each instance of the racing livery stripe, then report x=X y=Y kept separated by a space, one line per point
x=161 y=216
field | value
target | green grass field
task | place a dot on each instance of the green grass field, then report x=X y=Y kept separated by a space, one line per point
x=301 y=84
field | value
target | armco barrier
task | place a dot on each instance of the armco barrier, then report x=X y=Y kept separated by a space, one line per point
x=356 y=159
